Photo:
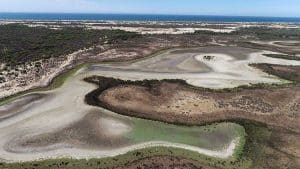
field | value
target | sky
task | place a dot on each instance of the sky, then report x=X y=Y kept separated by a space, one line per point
x=280 y=8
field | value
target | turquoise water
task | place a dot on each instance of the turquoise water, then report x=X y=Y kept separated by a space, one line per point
x=141 y=17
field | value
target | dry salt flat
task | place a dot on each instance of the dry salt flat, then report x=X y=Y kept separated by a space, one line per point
x=65 y=106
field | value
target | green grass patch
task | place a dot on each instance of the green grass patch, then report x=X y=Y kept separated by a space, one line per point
x=212 y=137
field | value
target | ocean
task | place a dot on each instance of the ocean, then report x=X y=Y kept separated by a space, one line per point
x=141 y=17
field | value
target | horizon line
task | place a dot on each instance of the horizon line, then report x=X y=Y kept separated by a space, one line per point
x=162 y=14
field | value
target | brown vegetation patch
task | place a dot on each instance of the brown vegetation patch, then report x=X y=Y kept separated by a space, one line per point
x=177 y=103
x=291 y=73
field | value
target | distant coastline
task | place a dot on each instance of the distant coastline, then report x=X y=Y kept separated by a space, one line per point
x=142 y=17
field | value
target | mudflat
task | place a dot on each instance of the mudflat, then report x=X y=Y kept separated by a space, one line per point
x=176 y=102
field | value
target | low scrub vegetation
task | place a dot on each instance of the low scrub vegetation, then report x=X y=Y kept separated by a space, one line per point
x=291 y=73
x=281 y=56
x=270 y=33
x=259 y=32
x=20 y=44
